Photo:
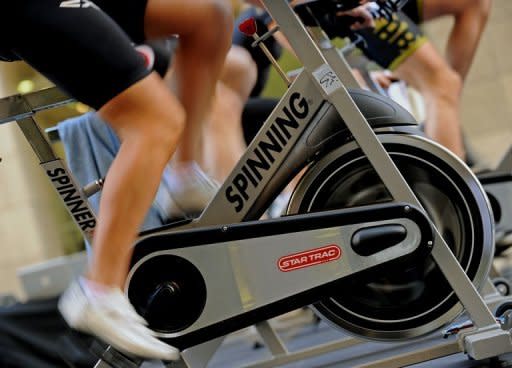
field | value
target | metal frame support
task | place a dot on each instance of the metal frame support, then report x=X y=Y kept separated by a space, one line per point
x=328 y=80
x=22 y=111
x=20 y=106
x=271 y=338
x=427 y=348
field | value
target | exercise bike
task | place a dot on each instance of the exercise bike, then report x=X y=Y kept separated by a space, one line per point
x=388 y=235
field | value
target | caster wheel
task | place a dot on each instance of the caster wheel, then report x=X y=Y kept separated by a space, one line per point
x=502 y=285
x=502 y=309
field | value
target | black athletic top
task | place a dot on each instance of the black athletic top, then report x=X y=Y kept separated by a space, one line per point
x=84 y=47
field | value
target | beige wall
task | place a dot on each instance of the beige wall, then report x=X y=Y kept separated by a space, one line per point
x=33 y=225
x=487 y=98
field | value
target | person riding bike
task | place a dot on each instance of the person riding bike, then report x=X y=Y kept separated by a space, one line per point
x=86 y=48
x=397 y=43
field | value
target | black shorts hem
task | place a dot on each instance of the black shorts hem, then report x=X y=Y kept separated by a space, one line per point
x=100 y=99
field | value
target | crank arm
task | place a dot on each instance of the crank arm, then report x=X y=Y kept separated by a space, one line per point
x=195 y=285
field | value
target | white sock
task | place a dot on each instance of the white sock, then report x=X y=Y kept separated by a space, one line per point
x=93 y=289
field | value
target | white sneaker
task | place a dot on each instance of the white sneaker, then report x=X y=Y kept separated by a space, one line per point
x=165 y=204
x=110 y=316
x=189 y=188
x=279 y=206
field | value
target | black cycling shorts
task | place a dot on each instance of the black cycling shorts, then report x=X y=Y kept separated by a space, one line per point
x=84 y=47
x=414 y=10
x=391 y=42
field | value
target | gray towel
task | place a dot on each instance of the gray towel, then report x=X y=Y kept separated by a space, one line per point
x=90 y=146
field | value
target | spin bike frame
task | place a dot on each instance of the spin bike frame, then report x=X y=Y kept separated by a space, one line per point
x=325 y=77
x=323 y=85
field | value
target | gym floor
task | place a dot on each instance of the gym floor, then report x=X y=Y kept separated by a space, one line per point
x=301 y=331
x=356 y=356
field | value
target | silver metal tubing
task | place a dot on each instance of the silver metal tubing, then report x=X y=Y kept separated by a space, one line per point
x=19 y=106
x=328 y=81
x=271 y=338
x=37 y=139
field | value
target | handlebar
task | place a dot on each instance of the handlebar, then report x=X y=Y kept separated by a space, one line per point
x=323 y=13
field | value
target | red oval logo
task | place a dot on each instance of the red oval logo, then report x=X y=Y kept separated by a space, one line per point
x=309 y=258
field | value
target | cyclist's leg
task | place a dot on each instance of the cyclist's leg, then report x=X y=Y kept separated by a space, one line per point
x=470 y=18
x=148 y=120
x=224 y=128
x=204 y=27
x=195 y=66
x=63 y=45
x=399 y=45
x=188 y=193
x=440 y=86
x=239 y=72
x=110 y=76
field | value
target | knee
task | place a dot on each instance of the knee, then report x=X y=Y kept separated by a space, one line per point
x=484 y=9
x=167 y=127
x=447 y=84
x=438 y=81
x=240 y=71
x=151 y=126
x=218 y=21
x=161 y=132
x=478 y=10
x=158 y=135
